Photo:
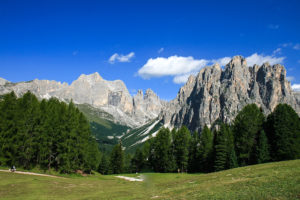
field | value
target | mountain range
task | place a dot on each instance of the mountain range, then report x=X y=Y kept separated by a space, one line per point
x=214 y=94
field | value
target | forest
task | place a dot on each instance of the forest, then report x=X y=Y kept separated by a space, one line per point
x=54 y=135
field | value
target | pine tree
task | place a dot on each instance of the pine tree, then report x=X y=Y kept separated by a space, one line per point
x=8 y=130
x=104 y=167
x=181 y=148
x=247 y=125
x=283 y=132
x=262 y=148
x=162 y=159
x=194 y=154
x=138 y=161
x=224 y=149
x=206 y=150
x=117 y=159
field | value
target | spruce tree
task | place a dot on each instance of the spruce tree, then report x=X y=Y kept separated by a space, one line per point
x=194 y=154
x=283 y=132
x=162 y=159
x=247 y=124
x=262 y=148
x=206 y=149
x=181 y=148
x=117 y=159
x=224 y=149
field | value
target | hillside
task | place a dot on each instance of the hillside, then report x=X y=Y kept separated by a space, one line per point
x=278 y=180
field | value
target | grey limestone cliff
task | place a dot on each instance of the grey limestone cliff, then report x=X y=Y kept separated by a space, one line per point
x=216 y=94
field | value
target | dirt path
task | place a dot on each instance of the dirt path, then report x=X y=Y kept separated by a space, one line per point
x=131 y=178
x=31 y=173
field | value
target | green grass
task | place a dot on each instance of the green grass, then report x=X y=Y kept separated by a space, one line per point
x=279 y=180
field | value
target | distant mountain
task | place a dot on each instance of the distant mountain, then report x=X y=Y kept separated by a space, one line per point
x=215 y=94
x=110 y=97
x=219 y=94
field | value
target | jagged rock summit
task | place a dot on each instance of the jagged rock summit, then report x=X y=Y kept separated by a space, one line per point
x=216 y=94
x=110 y=96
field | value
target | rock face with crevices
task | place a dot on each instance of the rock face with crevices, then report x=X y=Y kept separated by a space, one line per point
x=216 y=94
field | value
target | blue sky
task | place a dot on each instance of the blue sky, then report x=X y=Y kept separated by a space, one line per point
x=147 y=44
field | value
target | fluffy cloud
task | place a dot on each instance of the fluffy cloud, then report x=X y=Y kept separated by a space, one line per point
x=182 y=67
x=260 y=59
x=296 y=87
x=171 y=66
x=121 y=58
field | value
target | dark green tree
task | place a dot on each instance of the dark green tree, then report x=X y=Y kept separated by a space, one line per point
x=206 y=150
x=194 y=154
x=104 y=166
x=161 y=156
x=247 y=124
x=224 y=149
x=117 y=159
x=138 y=161
x=262 y=148
x=8 y=130
x=283 y=132
x=181 y=147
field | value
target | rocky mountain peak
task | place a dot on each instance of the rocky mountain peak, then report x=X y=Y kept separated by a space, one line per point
x=91 y=78
x=221 y=94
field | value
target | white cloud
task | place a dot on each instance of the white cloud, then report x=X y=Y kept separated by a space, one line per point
x=222 y=61
x=290 y=78
x=182 y=67
x=277 y=51
x=296 y=47
x=160 y=50
x=171 y=66
x=121 y=58
x=296 y=87
x=273 y=26
x=259 y=59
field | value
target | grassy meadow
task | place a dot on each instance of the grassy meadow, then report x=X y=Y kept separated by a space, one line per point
x=280 y=180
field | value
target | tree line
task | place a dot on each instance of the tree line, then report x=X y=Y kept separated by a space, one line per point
x=48 y=134
x=252 y=138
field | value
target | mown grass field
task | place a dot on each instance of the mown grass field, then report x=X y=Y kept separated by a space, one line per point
x=279 y=180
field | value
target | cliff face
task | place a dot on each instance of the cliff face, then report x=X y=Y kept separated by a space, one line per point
x=220 y=94
x=110 y=96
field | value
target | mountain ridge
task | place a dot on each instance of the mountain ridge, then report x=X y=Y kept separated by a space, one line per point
x=110 y=96
x=219 y=94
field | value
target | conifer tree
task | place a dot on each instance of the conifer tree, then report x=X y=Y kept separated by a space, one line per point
x=181 y=148
x=247 y=124
x=206 y=149
x=104 y=166
x=194 y=154
x=224 y=149
x=262 y=148
x=117 y=159
x=162 y=159
x=283 y=132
